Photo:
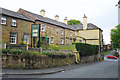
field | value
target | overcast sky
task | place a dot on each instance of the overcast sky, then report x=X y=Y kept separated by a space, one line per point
x=102 y=13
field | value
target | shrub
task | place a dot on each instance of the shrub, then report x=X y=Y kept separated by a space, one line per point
x=62 y=47
x=45 y=53
x=22 y=43
x=71 y=55
x=87 y=49
x=116 y=54
x=62 y=55
x=26 y=52
x=13 y=51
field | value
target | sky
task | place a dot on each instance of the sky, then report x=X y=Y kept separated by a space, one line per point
x=102 y=13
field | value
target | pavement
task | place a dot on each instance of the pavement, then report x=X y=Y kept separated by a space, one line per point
x=41 y=71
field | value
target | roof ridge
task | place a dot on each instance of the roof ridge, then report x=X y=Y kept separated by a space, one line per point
x=41 y=16
x=50 y=20
x=14 y=14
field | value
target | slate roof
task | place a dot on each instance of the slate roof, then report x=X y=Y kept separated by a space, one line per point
x=54 y=22
x=50 y=21
x=89 y=26
x=14 y=14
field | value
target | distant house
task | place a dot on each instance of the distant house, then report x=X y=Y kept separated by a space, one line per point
x=89 y=33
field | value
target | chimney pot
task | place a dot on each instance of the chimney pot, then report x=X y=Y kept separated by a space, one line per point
x=42 y=12
x=85 y=22
x=65 y=20
x=57 y=18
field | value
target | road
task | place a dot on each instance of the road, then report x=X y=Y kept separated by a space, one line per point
x=105 y=69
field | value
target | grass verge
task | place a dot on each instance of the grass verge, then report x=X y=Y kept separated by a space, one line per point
x=106 y=52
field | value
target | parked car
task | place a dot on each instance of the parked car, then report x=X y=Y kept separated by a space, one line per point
x=111 y=57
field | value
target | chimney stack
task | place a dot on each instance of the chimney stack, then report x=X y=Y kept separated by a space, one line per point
x=65 y=20
x=57 y=18
x=42 y=12
x=85 y=22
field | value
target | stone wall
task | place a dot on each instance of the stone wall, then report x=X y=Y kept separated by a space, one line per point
x=33 y=62
x=89 y=59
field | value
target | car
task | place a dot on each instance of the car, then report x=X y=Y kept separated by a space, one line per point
x=111 y=57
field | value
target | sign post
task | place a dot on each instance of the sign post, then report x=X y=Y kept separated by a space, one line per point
x=35 y=33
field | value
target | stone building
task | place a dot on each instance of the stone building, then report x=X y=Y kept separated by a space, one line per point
x=15 y=27
x=57 y=32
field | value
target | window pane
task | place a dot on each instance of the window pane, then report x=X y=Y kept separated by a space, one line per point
x=43 y=28
x=26 y=38
x=13 y=22
x=13 y=38
x=3 y=20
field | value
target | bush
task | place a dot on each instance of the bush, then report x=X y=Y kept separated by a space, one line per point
x=71 y=55
x=116 y=54
x=62 y=47
x=87 y=49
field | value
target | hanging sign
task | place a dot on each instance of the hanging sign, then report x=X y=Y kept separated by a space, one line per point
x=35 y=30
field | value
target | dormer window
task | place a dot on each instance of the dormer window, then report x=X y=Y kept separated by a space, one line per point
x=13 y=22
x=3 y=20
x=43 y=28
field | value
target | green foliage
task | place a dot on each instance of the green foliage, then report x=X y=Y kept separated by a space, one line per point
x=116 y=54
x=115 y=37
x=53 y=54
x=45 y=53
x=62 y=47
x=73 y=22
x=87 y=49
x=22 y=43
x=106 y=52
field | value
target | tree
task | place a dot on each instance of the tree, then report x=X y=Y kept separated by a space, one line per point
x=73 y=22
x=115 y=37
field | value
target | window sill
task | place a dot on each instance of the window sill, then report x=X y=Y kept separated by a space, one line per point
x=4 y=24
x=12 y=43
x=13 y=26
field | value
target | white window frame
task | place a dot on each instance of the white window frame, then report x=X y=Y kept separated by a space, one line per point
x=43 y=28
x=3 y=19
x=61 y=41
x=13 y=38
x=70 y=33
x=14 y=22
x=70 y=41
x=52 y=41
x=62 y=32
x=26 y=38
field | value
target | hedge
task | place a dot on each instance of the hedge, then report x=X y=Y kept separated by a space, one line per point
x=87 y=49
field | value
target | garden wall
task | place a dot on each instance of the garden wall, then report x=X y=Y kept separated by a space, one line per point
x=89 y=59
x=15 y=61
